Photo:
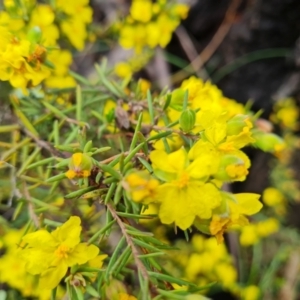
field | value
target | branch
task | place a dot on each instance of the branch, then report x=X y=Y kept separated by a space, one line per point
x=43 y=144
x=134 y=250
x=213 y=45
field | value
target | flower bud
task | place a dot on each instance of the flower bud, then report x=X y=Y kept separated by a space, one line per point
x=268 y=142
x=34 y=35
x=187 y=120
x=237 y=124
x=80 y=166
x=177 y=99
x=232 y=168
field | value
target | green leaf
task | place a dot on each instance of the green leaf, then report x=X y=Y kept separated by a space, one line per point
x=41 y=163
x=28 y=161
x=79 y=293
x=101 y=231
x=56 y=178
x=80 y=192
x=93 y=194
x=150 y=106
x=111 y=171
x=27 y=124
x=168 y=101
x=133 y=216
x=159 y=136
x=133 y=153
x=145 y=164
x=114 y=256
x=137 y=129
x=168 y=278
x=78 y=103
x=92 y=291
x=145 y=245
x=80 y=78
x=110 y=192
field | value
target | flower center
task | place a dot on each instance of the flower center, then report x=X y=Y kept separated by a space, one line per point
x=183 y=180
x=62 y=251
x=236 y=171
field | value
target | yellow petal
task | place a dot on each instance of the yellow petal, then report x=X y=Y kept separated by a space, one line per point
x=36 y=260
x=178 y=160
x=97 y=262
x=41 y=239
x=171 y=163
x=202 y=148
x=247 y=204
x=216 y=133
x=182 y=205
x=81 y=254
x=69 y=232
x=52 y=277
x=76 y=159
x=204 y=166
x=175 y=211
x=159 y=160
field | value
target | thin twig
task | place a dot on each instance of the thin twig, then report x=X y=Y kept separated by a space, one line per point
x=148 y=128
x=213 y=45
x=31 y=212
x=291 y=272
x=108 y=160
x=134 y=250
x=190 y=51
x=43 y=144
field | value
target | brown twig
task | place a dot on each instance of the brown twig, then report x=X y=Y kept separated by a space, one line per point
x=291 y=273
x=43 y=144
x=148 y=128
x=134 y=250
x=210 y=49
x=190 y=51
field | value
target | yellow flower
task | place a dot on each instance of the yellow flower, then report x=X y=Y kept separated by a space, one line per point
x=252 y=233
x=51 y=254
x=12 y=23
x=123 y=296
x=76 y=8
x=286 y=114
x=80 y=166
x=21 y=62
x=75 y=31
x=144 y=85
x=182 y=10
x=249 y=235
x=238 y=205
x=59 y=77
x=267 y=227
x=17 y=277
x=141 y=10
x=201 y=94
x=227 y=273
x=251 y=292
x=141 y=187
x=153 y=34
x=174 y=141
x=133 y=37
x=273 y=197
x=43 y=16
x=185 y=194
x=233 y=164
x=123 y=69
x=209 y=261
